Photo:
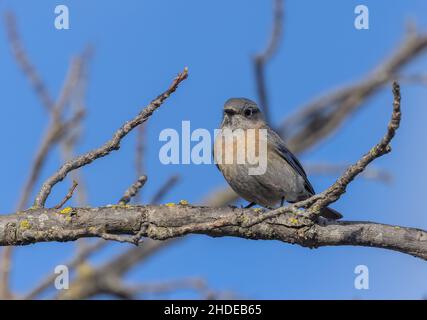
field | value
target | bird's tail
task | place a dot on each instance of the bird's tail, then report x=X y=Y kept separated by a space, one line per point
x=330 y=213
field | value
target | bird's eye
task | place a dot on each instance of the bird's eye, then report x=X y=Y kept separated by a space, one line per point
x=248 y=112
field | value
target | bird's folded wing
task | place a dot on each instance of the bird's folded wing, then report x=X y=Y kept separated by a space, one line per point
x=278 y=144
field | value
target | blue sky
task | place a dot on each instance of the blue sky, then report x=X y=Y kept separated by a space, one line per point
x=140 y=46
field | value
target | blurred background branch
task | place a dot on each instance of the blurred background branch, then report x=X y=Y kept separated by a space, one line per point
x=57 y=130
x=262 y=58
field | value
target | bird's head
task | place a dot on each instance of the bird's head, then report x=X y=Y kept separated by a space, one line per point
x=241 y=113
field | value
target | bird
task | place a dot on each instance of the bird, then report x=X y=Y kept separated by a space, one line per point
x=284 y=178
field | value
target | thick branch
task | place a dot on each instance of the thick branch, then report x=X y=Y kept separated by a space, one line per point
x=165 y=222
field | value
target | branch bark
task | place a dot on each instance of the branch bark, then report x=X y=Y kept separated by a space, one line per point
x=165 y=222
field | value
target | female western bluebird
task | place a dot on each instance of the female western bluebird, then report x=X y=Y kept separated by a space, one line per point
x=283 y=179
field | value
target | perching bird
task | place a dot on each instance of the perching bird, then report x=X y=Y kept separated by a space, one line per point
x=284 y=178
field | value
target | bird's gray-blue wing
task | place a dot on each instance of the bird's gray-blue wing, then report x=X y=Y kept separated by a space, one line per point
x=279 y=145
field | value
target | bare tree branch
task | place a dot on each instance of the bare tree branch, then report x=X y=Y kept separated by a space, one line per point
x=262 y=58
x=163 y=222
x=133 y=190
x=67 y=153
x=383 y=147
x=68 y=196
x=111 y=145
x=25 y=64
x=315 y=121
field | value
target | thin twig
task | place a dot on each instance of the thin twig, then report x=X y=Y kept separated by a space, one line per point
x=383 y=147
x=68 y=196
x=133 y=190
x=111 y=145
